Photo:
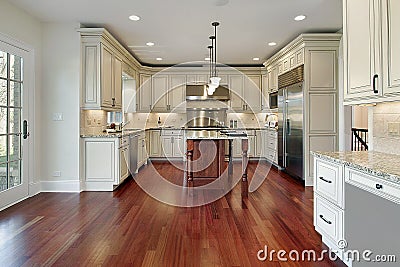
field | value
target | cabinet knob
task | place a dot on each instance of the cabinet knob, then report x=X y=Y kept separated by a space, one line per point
x=379 y=186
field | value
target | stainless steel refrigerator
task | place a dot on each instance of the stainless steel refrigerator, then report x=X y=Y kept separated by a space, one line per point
x=290 y=124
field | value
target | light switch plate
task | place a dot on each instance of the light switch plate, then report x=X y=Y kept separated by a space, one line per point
x=56 y=173
x=57 y=116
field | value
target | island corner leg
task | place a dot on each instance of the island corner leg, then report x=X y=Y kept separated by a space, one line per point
x=245 y=184
x=189 y=163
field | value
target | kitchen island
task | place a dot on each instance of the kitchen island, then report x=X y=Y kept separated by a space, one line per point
x=206 y=156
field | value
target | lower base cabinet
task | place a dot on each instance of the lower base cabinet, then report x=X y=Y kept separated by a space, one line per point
x=113 y=154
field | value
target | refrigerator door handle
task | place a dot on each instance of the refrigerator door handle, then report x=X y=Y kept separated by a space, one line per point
x=288 y=127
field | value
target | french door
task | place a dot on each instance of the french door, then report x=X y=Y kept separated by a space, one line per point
x=13 y=125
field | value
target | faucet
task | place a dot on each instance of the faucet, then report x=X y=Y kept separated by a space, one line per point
x=122 y=125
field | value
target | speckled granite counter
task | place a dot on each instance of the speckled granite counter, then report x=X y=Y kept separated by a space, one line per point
x=385 y=166
x=112 y=135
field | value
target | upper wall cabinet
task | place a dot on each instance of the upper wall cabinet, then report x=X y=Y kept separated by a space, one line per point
x=371 y=55
x=245 y=93
x=102 y=63
x=145 y=98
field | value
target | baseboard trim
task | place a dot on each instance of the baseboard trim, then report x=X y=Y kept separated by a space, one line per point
x=61 y=186
x=34 y=189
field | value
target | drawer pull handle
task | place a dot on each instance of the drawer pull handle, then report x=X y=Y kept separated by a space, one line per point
x=325 y=220
x=379 y=186
x=323 y=179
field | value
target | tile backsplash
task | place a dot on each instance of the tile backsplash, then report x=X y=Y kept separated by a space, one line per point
x=386 y=128
x=93 y=121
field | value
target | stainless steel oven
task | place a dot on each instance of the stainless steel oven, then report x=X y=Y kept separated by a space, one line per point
x=273 y=100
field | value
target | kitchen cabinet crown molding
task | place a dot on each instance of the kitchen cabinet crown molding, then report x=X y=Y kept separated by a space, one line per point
x=305 y=40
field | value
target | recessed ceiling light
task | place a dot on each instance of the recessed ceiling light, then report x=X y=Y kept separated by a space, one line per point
x=207 y=58
x=159 y=58
x=134 y=17
x=272 y=44
x=256 y=58
x=149 y=43
x=299 y=18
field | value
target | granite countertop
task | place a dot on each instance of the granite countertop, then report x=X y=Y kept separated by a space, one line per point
x=112 y=135
x=383 y=165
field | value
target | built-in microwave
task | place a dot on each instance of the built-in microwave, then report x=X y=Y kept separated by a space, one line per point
x=273 y=100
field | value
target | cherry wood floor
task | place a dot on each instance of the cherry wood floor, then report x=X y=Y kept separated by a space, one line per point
x=129 y=228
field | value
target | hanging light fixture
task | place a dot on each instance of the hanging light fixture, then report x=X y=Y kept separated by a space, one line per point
x=214 y=79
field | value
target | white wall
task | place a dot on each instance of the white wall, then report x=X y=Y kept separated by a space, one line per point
x=19 y=25
x=61 y=79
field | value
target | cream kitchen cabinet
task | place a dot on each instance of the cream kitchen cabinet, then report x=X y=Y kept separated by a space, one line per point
x=258 y=143
x=197 y=78
x=142 y=151
x=113 y=153
x=159 y=92
x=176 y=93
x=265 y=92
x=168 y=92
x=172 y=144
x=144 y=92
x=154 y=147
x=245 y=92
x=371 y=57
x=101 y=76
x=273 y=79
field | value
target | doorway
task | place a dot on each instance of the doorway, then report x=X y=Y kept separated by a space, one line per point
x=14 y=181
x=359 y=129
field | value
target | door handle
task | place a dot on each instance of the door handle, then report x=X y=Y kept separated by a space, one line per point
x=25 y=132
x=374 y=81
x=325 y=220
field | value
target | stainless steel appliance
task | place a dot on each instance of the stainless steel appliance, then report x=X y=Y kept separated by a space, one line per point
x=205 y=117
x=199 y=92
x=273 y=100
x=290 y=121
x=133 y=150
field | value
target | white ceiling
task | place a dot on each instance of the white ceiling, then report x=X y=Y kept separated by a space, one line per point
x=180 y=28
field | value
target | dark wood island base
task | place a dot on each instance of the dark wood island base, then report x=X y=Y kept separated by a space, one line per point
x=192 y=155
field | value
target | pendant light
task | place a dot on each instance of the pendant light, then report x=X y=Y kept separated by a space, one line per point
x=214 y=79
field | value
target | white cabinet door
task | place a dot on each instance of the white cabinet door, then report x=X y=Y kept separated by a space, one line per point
x=106 y=76
x=252 y=145
x=362 y=43
x=145 y=92
x=273 y=79
x=391 y=45
x=117 y=88
x=159 y=92
x=123 y=163
x=259 y=143
x=252 y=93
x=176 y=94
x=236 y=86
x=265 y=94
x=166 y=144
x=237 y=148
x=178 y=147
x=155 y=144
x=104 y=152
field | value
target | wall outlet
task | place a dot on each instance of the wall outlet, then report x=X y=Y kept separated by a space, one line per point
x=394 y=128
x=56 y=173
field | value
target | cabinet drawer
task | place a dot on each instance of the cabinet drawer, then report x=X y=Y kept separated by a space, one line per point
x=271 y=143
x=272 y=134
x=328 y=181
x=171 y=132
x=271 y=155
x=328 y=219
x=373 y=184
x=124 y=141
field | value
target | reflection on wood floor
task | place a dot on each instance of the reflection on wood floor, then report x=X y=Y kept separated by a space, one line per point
x=129 y=228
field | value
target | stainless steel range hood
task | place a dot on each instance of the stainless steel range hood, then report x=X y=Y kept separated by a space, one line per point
x=199 y=92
